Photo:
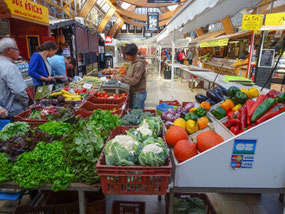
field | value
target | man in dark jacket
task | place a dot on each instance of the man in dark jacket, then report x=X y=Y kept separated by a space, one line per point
x=136 y=77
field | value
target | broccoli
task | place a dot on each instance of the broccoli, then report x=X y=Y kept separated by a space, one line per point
x=135 y=117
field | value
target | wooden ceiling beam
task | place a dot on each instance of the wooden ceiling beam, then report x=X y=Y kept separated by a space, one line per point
x=199 y=32
x=115 y=26
x=143 y=3
x=228 y=26
x=118 y=29
x=276 y=9
x=86 y=8
x=163 y=9
x=106 y=19
x=141 y=17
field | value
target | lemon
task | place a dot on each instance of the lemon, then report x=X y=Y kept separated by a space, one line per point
x=180 y=122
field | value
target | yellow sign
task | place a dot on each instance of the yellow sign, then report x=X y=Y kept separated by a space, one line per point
x=29 y=10
x=275 y=19
x=251 y=22
x=215 y=43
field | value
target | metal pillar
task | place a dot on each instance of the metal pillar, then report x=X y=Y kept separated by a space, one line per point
x=159 y=61
x=172 y=61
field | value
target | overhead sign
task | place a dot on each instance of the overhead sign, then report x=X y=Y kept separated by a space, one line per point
x=163 y=1
x=275 y=19
x=29 y=10
x=251 y=22
x=215 y=43
x=152 y=21
x=108 y=39
x=243 y=154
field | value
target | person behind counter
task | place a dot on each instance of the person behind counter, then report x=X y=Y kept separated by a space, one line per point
x=13 y=96
x=39 y=68
x=136 y=77
x=59 y=66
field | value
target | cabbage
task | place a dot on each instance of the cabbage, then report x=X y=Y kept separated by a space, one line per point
x=153 y=153
x=121 y=151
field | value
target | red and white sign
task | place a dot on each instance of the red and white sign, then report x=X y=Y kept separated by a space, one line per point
x=108 y=39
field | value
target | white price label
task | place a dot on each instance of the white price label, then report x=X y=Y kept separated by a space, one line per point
x=87 y=86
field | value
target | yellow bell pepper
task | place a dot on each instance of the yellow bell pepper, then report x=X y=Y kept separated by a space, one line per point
x=253 y=92
x=191 y=126
x=237 y=107
x=192 y=110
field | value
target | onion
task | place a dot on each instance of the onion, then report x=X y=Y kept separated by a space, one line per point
x=188 y=106
x=163 y=115
x=171 y=110
x=178 y=110
x=178 y=114
x=174 y=118
x=169 y=116
x=168 y=124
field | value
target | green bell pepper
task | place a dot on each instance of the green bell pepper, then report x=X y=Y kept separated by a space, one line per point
x=281 y=97
x=262 y=108
x=233 y=90
x=219 y=112
x=240 y=97
x=191 y=116
x=200 y=112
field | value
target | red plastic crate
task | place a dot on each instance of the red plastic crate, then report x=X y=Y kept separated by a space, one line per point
x=133 y=180
x=23 y=117
x=204 y=197
x=172 y=103
x=88 y=106
x=95 y=100
x=128 y=207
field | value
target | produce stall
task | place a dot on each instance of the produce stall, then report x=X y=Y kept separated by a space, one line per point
x=236 y=145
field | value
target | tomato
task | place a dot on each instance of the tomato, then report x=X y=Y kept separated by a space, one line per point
x=92 y=92
x=66 y=89
x=104 y=93
x=84 y=90
x=124 y=94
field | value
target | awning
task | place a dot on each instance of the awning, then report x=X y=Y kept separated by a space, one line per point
x=272 y=28
x=208 y=36
x=198 y=13
x=237 y=35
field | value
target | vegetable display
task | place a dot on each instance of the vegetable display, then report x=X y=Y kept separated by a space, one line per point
x=174 y=134
x=5 y=166
x=45 y=164
x=185 y=150
x=140 y=146
x=13 y=130
x=189 y=205
x=135 y=117
x=56 y=128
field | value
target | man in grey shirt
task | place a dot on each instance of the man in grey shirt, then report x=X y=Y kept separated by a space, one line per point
x=13 y=95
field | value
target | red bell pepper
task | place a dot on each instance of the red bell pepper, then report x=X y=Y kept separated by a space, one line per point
x=227 y=124
x=243 y=116
x=275 y=110
x=249 y=104
x=235 y=129
x=259 y=100
x=250 y=126
x=273 y=93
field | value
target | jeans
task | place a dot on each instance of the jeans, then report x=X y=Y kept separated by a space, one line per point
x=137 y=100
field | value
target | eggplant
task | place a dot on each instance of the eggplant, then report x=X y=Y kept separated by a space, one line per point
x=224 y=90
x=213 y=95
x=200 y=98
x=211 y=102
x=219 y=91
x=183 y=113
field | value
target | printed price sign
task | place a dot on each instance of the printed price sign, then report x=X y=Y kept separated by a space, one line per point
x=87 y=86
x=243 y=154
x=251 y=22
x=275 y=19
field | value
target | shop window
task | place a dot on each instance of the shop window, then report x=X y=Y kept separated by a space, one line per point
x=131 y=29
x=138 y=30
x=33 y=41
x=4 y=28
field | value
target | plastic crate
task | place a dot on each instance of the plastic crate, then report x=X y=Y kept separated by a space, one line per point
x=95 y=100
x=133 y=180
x=3 y=123
x=204 y=197
x=52 y=209
x=128 y=207
x=23 y=117
x=172 y=103
x=88 y=106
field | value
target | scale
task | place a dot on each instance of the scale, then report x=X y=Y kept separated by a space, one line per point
x=113 y=86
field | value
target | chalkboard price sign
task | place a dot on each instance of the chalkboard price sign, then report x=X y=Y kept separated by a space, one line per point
x=266 y=58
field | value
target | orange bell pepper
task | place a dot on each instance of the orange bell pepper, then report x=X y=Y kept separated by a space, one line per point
x=205 y=105
x=202 y=122
x=227 y=105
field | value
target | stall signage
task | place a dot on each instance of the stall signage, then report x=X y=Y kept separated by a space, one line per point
x=251 y=22
x=108 y=39
x=275 y=19
x=29 y=10
x=215 y=43
x=243 y=154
